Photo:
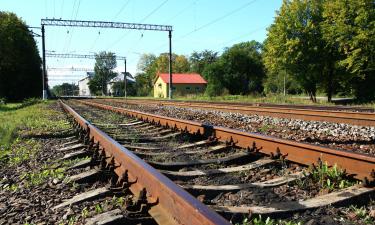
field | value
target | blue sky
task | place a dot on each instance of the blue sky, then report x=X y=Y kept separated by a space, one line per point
x=197 y=25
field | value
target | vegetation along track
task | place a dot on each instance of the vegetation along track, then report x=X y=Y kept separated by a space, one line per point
x=235 y=173
x=362 y=117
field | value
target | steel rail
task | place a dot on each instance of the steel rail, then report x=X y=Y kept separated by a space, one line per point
x=354 y=118
x=172 y=204
x=361 y=166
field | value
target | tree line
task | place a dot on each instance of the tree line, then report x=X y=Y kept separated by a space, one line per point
x=313 y=46
x=324 y=46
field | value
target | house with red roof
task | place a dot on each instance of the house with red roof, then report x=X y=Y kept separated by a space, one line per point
x=183 y=84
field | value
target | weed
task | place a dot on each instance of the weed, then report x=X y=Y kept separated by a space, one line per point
x=72 y=220
x=98 y=208
x=268 y=221
x=266 y=127
x=330 y=177
x=38 y=177
x=85 y=212
x=362 y=213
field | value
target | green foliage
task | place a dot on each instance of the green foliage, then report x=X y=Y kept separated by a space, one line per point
x=26 y=119
x=120 y=87
x=98 y=208
x=294 y=43
x=39 y=177
x=274 y=83
x=349 y=28
x=325 y=45
x=239 y=70
x=20 y=64
x=199 y=60
x=65 y=89
x=105 y=62
x=330 y=177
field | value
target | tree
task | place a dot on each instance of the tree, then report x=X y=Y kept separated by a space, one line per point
x=349 y=28
x=105 y=63
x=239 y=70
x=20 y=63
x=65 y=89
x=199 y=60
x=214 y=74
x=243 y=68
x=294 y=43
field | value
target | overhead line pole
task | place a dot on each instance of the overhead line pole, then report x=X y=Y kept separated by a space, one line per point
x=170 y=65
x=125 y=79
x=44 y=72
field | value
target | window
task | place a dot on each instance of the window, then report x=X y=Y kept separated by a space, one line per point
x=173 y=88
x=197 y=88
x=159 y=85
x=187 y=88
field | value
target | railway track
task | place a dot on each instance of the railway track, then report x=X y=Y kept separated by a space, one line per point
x=360 y=116
x=233 y=173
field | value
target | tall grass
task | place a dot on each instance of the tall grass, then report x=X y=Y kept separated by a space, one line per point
x=16 y=119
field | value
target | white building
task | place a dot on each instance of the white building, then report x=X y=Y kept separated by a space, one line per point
x=83 y=85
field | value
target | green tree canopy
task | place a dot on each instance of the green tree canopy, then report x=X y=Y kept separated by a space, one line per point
x=199 y=60
x=65 y=89
x=105 y=62
x=349 y=28
x=294 y=43
x=20 y=63
x=239 y=70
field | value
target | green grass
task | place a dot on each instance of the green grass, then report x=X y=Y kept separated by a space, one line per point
x=29 y=120
x=18 y=122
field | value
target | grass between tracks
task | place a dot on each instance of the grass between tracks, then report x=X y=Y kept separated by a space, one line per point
x=21 y=127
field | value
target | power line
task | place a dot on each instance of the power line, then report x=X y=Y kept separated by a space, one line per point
x=180 y=12
x=153 y=11
x=126 y=33
x=244 y=35
x=122 y=8
x=211 y=22
x=62 y=8
x=219 y=18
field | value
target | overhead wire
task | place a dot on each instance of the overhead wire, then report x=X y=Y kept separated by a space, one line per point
x=141 y=21
x=121 y=9
x=180 y=12
x=219 y=18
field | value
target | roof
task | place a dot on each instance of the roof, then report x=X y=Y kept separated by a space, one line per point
x=183 y=78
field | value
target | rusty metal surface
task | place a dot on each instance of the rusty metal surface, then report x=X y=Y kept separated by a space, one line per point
x=360 y=165
x=355 y=118
x=173 y=204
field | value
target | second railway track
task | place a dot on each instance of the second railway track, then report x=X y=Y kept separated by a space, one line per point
x=360 y=117
x=234 y=173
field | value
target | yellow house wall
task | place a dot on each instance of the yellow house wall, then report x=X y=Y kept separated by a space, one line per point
x=161 y=89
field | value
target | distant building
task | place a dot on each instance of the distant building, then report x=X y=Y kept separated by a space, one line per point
x=83 y=85
x=115 y=90
x=183 y=83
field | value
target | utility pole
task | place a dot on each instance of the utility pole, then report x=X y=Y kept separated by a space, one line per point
x=170 y=65
x=44 y=72
x=284 y=86
x=125 y=80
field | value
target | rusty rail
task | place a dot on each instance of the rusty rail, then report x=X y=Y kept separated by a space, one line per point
x=354 y=118
x=359 y=165
x=172 y=204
